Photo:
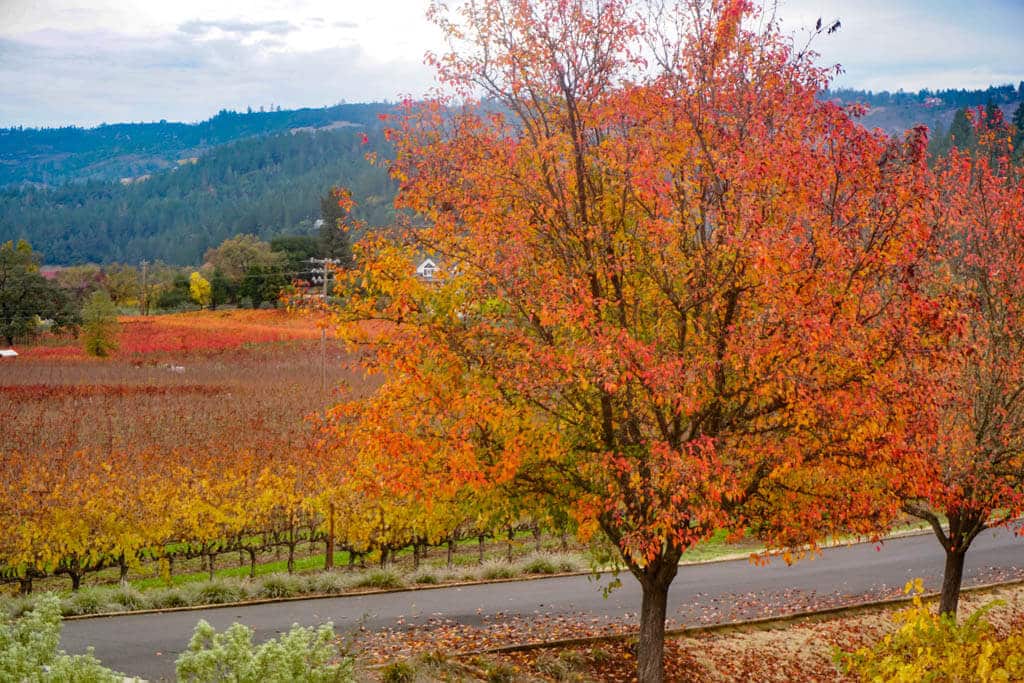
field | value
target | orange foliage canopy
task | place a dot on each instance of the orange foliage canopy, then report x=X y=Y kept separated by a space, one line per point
x=973 y=475
x=673 y=279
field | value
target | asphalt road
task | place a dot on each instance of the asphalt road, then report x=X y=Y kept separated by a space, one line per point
x=147 y=645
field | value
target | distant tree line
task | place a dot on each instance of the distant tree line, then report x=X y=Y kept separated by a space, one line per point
x=263 y=186
x=952 y=97
x=243 y=270
x=54 y=156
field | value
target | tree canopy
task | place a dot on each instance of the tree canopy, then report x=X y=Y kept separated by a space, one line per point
x=26 y=297
x=669 y=288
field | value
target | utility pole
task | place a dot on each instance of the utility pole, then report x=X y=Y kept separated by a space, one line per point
x=322 y=274
x=322 y=268
x=144 y=299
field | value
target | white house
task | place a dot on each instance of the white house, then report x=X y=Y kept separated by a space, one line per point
x=427 y=269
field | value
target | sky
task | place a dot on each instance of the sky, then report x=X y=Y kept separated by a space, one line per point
x=85 y=62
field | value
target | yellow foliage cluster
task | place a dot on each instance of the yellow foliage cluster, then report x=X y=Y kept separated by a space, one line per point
x=932 y=647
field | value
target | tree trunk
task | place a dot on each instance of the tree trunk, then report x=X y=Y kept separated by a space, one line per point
x=508 y=548
x=25 y=585
x=252 y=562
x=351 y=559
x=76 y=580
x=329 y=553
x=291 y=556
x=655 y=579
x=123 y=565
x=451 y=551
x=384 y=558
x=415 y=556
x=537 y=543
x=480 y=548
x=952 y=578
x=212 y=557
x=651 y=648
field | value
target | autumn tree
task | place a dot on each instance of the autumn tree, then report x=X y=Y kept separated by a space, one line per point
x=674 y=275
x=99 y=325
x=238 y=257
x=199 y=289
x=973 y=477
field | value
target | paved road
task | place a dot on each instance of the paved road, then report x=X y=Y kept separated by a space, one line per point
x=147 y=645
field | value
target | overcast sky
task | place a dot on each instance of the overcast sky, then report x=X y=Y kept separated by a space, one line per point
x=90 y=61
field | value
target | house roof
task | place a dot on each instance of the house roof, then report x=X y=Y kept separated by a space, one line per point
x=427 y=268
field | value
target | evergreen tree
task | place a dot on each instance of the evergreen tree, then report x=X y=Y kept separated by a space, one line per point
x=296 y=251
x=961 y=131
x=334 y=237
x=262 y=283
x=175 y=296
x=220 y=289
x=1018 y=129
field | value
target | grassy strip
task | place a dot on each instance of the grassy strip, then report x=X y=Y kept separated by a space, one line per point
x=272 y=586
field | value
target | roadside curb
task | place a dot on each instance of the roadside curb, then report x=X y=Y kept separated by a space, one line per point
x=460 y=584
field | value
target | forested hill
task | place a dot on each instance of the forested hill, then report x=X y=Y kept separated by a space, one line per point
x=894 y=112
x=168 y=191
x=54 y=156
x=267 y=185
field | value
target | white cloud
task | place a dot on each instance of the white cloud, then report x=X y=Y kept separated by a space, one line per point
x=87 y=61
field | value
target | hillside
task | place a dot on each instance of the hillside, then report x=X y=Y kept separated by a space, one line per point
x=896 y=112
x=54 y=156
x=169 y=191
x=266 y=185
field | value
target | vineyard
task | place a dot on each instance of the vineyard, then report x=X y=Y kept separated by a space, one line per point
x=201 y=436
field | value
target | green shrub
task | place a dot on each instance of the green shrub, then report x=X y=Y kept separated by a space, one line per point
x=328 y=582
x=88 y=600
x=163 y=598
x=15 y=606
x=381 y=578
x=398 y=672
x=217 y=592
x=568 y=563
x=425 y=578
x=540 y=564
x=498 y=570
x=501 y=673
x=280 y=586
x=303 y=655
x=28 y=650
x=129 y=597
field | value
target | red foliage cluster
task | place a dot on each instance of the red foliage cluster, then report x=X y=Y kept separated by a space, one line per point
x=203 y=331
